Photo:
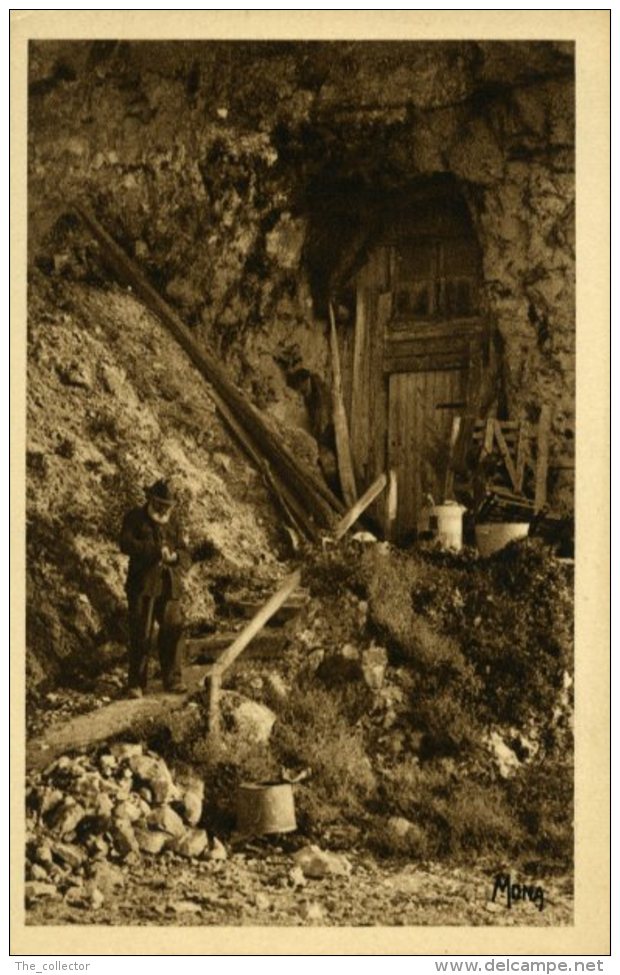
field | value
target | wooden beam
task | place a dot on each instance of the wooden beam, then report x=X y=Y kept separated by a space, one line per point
x=290 y=507
x=312 y=492
x=341 y=426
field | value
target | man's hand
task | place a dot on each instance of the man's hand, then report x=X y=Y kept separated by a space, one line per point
x=168 y=557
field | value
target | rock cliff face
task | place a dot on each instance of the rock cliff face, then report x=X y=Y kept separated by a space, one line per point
x=217 y=166
x=238 y=175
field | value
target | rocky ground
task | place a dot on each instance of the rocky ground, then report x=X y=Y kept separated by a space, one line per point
x=257 y=889
x=115 y=839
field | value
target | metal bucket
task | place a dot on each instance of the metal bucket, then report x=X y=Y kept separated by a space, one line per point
x=449 y=521
x=265 y=807
x=494 y=536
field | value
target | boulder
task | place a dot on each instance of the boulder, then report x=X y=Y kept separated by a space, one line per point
x=374 y=663
x=296 y=877
x=42 y=853
x=121 y=750
x=96 y=898
x=154 y=773
x=66 y=816
x=50 y=799
x=399 y=826
x=165 y=819
x=36 y=890
x=192 y=807
x=218 y=851
x=151 y=841
x=316 y=863
x=505 y=758
x=69 y=853
x=312 y=911
x=106 y=876
x=276 y=689
x=107 y=765
x=97 y=847
x=254 y=721
x=123 y=836
x=191 y=844
x=102 y=809
x=131 y=809
x=37 y=872
x=76 y=374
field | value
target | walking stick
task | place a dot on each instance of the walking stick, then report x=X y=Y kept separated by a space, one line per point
x=148 y=629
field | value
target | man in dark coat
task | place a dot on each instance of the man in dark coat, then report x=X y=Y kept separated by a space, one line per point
x=158 y=558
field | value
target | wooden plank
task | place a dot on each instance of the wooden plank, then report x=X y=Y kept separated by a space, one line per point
x=422 y=346
x=292 y=510
x=359 y=392
x=106 y=723
x=489 y=433
x=417 y=331
x=508 y=461
x=259 y=620
x=341 y=426
x=360 y=506
x=394 y=450
x=208 y=649
x=542 y=458
x=311 y=490
x=424 y=363
x=377 y=399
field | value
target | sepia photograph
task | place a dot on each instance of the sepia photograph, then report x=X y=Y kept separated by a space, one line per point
x=300 y=483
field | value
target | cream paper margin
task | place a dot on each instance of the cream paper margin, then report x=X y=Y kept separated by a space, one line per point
x=590 y=31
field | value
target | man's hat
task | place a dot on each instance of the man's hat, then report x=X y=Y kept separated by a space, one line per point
x=160 y=492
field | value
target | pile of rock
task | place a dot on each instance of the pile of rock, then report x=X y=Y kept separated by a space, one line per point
x=87 y=817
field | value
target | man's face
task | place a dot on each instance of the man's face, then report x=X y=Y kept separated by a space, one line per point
x=159 y=511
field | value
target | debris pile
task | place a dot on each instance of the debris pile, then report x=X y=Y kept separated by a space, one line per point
x=87 y=817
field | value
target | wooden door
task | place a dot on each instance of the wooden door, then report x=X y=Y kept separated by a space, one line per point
x=414 y=363
x=421 y=406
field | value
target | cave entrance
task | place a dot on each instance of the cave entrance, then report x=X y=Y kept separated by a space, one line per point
x=414 y=358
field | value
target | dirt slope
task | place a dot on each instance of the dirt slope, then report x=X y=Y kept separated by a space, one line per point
x=113 y=404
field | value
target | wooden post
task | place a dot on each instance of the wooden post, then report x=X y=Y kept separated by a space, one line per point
x=391 y=505
x=542 y=458
x=341 y=426
x=215 y=687
x=449 y=480
x=489 y=431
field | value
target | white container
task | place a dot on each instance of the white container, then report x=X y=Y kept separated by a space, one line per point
x=449 y=521
x=494 y=536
